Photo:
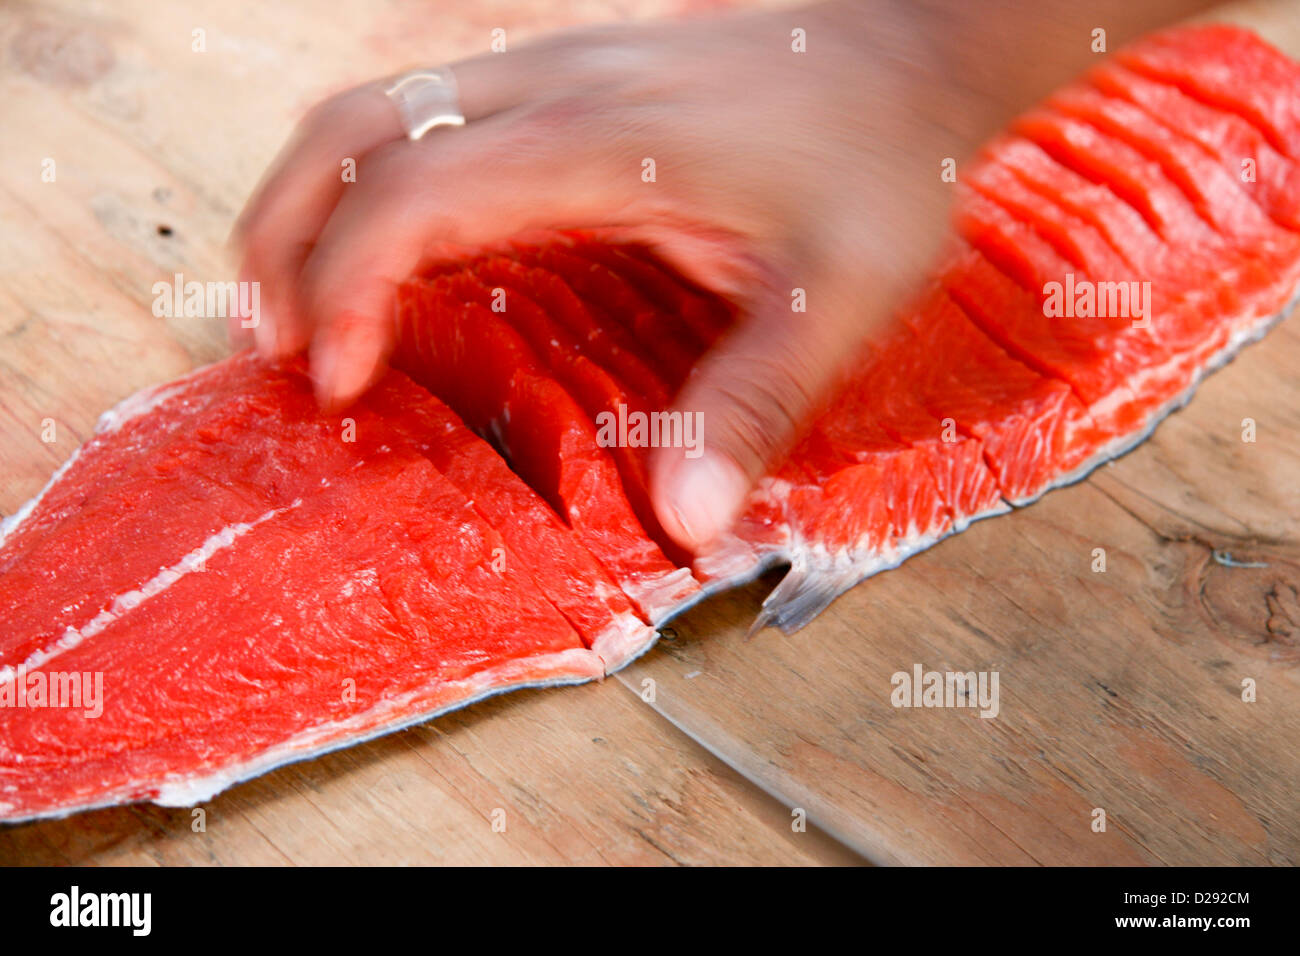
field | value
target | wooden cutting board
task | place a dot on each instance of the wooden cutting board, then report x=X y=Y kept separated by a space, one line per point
x=1120 y=691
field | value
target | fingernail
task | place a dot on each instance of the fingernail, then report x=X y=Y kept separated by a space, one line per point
x=705 y=494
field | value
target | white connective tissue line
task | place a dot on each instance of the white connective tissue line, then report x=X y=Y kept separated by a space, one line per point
x=160 y=582
x=10 y=524
x=134 y=405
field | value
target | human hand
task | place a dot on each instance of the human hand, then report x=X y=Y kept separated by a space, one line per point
x=776 y=170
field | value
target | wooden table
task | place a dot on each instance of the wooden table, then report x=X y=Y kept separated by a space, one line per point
x=1120 y=690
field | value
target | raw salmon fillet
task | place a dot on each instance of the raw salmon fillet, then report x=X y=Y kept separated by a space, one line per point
x=223 y=579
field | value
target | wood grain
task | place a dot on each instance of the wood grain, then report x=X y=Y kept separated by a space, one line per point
x=1121 y=690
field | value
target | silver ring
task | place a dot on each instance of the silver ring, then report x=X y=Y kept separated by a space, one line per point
x=425 y=100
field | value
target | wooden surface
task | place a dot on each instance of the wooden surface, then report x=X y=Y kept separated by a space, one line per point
x=1119 y=690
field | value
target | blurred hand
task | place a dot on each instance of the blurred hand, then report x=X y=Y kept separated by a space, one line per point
x=775 y=170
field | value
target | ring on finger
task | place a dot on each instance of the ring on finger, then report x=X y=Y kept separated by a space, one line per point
x=426 y=99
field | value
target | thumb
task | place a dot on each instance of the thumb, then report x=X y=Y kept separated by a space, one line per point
x=753 y=393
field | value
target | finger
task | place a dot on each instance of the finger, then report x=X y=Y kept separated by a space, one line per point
x=280 y=223
x=753 y=393
x=361 y=119
x=500 y=176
